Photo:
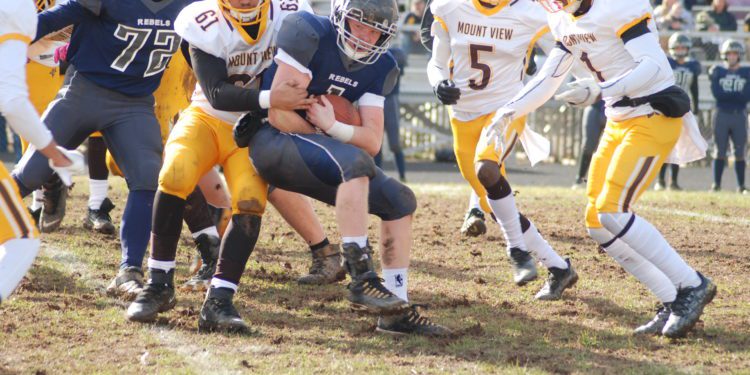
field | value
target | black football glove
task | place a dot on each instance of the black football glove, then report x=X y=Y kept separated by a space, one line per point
x=246 y=127
x=447 y=92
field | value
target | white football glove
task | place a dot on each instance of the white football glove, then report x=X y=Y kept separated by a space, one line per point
x=580 y=93
x=494 y=133
x=77 y=166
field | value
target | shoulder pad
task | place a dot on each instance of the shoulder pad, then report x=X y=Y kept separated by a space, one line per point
x=440 y=8
x=623 y=14
x=530 y=12
x=391 y=72
x=201 y=35
x=93 y=6
x=285 y=8
x=299 y=36
x=714 y=69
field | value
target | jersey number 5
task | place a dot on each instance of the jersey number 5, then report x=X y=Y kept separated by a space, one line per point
x=137 y=38
x=474 y=50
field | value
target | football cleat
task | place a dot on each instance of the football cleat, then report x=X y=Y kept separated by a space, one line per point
x=656 y=325
x=35 y=214
x=128 y=283
x=366 y=290
x=99 y=220
x=558 y=280
x=411 y=323
x=524 y=269
x=715 y=188
x=579 y=184
x=326 y=267
x=208 y=256
x=688 y=307
x=675 y=187
x=660 y=185
x=219 y=314
x=55 y=196
x=156 y=297
x=474 y=225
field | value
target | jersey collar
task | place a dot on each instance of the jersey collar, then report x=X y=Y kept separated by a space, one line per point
x=489 y=12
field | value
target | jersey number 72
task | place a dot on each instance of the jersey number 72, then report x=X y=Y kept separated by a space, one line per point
x=137 y=38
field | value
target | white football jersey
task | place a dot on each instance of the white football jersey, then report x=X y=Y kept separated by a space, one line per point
x=203 y=25
x=17 y=20
x=489 y=49
x=595 y=40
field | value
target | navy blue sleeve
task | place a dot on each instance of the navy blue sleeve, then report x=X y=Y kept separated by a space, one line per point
x=746 y=89
x=716 y=89
x=66 y=14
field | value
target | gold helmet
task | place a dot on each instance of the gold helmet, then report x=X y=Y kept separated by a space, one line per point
x=42 y=5
x=248 y=16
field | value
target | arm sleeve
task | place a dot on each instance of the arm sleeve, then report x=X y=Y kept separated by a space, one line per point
x=694 y=89
x=212 y=75
x=14 y=98
x=645 y=50
x=437 y=67
x=298 y=38
x=537 y=91
x=66 y=14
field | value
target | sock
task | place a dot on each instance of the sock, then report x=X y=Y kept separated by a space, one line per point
x=474 y=201
x=636 y=265
x=136 y=227
x=739 y=169
x=320 y=245
x=361 y=241
x=663 y=174
x=396 y=281
x=541 y=249
x=97 y=193
x=211 y=231
x=718 y=170
x=646 y=240
x=507 y=214
x=219 y=283
x=162 y=265
x=37 y=199
x=675 y=168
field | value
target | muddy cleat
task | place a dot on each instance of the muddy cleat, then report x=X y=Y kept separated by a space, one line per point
x=558 y=280
x=55 y=195
x=99 y=220
x=688 y=307
x=156 y=297
x=366 y=291
x=524 y=269
x=128 y=283
x=208 y=251
x=474 y=225
x=326 y=267
x=411 y=323
x=656 y=325
x=218 y=313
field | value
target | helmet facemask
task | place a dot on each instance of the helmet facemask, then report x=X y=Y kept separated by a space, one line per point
x=355 y=48
x=245 y=17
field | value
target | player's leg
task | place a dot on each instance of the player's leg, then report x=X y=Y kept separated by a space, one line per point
x=466 y=134
x=661 y=183
x=721 y=120
x=18 y=237
x=674 y=169
x=392 y=118
x=99 y=206
x=646 y=143
x=188 y=153
x=593 y=125
x=739 y=142
x=219 y=203
x=298 y=212
x=206 y=237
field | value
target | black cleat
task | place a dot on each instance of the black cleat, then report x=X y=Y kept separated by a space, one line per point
x=558 y=280
x=411 y=323
x=524 y=269
x=156 y=297
x=99 y=220
x=326 y=267
x=366 y=291
x=656 y=325
x=474 y=225
x=127 y=284
x=688 y=307
x=218 y=313
x=208 y=251
x=55 y=195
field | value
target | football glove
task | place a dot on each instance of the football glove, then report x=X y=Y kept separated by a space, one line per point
x=494 y=133
x=77 y=166
x=246 y=127
x=447 y=92
x=580 y=93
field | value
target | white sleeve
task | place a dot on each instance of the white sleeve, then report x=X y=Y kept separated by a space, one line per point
x=371 y=100
x=14 y=96
x=544 y=84
x=437 y=67
x=283 y=56
x=647 y=53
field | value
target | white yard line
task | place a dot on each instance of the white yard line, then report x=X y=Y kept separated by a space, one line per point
x=697 y=215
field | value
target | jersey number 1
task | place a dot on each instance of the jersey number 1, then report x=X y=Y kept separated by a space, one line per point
x=137 y=38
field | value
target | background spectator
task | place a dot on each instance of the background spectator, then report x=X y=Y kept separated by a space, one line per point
x=672 y=15
x=392 y=116
x=594 y=121
x=722 y=18
x=411 y=42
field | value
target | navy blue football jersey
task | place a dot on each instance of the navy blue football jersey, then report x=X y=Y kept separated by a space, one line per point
x=731 y=88
x=686 y=77
x=121 y=45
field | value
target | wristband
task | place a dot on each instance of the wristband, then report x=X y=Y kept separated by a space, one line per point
x=341 y=132
x=264 y=99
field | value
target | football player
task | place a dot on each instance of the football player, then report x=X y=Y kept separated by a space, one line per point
x=19 y=241
x=231 y=43
x=649 y=121
x=346 y=55
x=119 y=51
x=478 y=63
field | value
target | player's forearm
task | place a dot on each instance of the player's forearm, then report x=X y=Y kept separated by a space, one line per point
x=544 y=84
x=223 y=95
x=437 y=68
x=646 y=52
x=289 y=122
x=369 y=136
x=63 y=15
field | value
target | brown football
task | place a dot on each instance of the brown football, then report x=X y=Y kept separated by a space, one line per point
x=345 y=111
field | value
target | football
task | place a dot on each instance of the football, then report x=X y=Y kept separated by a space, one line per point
x=345 y=111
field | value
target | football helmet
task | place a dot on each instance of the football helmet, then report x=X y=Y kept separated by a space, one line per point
x=381 y=15
x=554 y=6
x=732 y=45
x=676 y=41
x=245 y=17
x=42 y=5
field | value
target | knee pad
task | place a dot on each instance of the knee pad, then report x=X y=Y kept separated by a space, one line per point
x=616 y=222
x=362 y=166
x=492 y=180
x=401 y=199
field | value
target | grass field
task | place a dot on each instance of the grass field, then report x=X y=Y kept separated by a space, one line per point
x=60 y=321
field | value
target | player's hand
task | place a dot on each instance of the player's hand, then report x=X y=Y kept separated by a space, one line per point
x=290 y=96
x=580 y=93
x=494 y=133
x=447 y=92
x=245 y=128
x=70 y=164
x=61 y=54
x=321 y=114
